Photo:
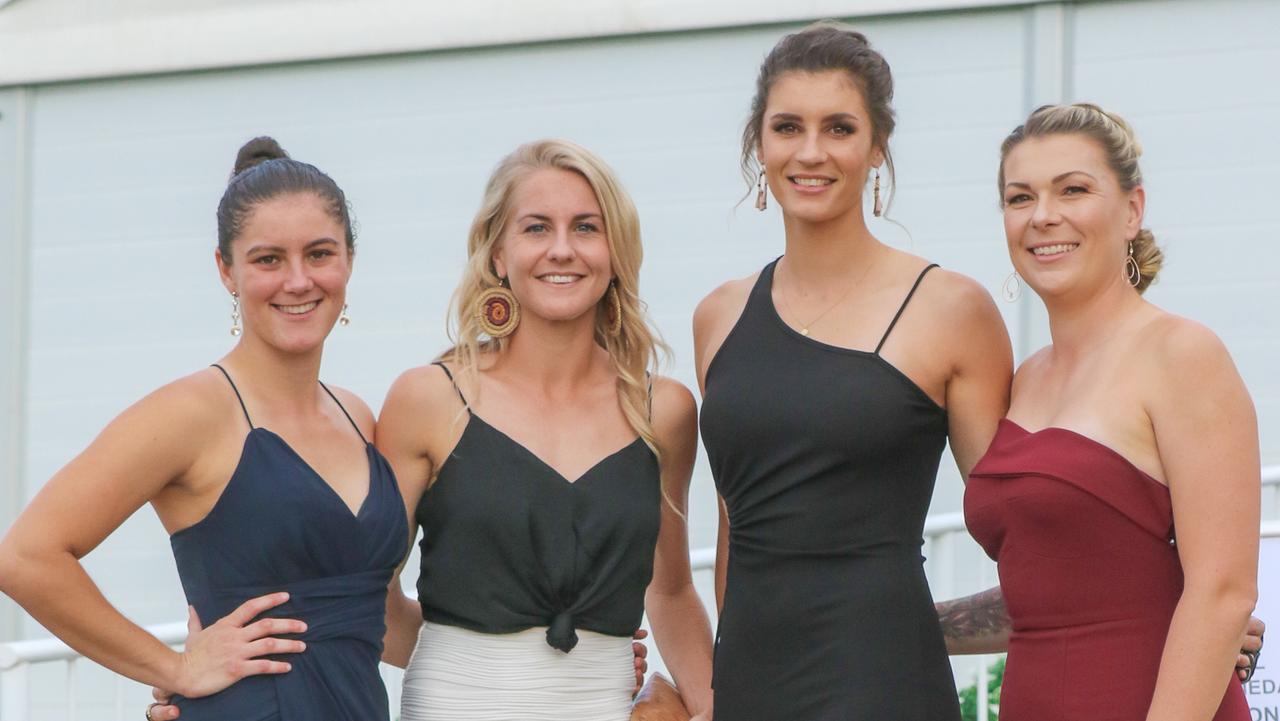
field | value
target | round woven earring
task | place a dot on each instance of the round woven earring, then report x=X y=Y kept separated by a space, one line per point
x=1132 y=271
x=762 y=193
x=1012 y=288
x=614 y=308
x=497 y=311
x=235 y=313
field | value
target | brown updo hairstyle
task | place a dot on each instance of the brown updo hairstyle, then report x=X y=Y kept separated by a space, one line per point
x=822 y=46
x=1120 y=146
x=263 y=171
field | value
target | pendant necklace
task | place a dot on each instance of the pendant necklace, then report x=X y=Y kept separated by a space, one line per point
x=804 y=327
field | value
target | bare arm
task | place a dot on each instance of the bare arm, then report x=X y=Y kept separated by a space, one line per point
x=678 y=618
x=975 y=624
x=1207 y=434
x=138 y=455
x=409 y=424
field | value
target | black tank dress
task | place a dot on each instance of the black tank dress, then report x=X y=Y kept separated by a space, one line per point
x=826 y=459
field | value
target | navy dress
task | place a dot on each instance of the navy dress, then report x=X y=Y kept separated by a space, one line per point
x=278 y=526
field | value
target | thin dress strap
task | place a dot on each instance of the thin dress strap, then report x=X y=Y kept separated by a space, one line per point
x=903 y=307
x=237 y=392
x=344 y=411
x=456 y=389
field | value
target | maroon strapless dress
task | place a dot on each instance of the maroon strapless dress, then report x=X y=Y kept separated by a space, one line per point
x=1090 y=575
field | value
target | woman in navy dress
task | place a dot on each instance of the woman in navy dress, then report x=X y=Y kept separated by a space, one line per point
x=285 y=522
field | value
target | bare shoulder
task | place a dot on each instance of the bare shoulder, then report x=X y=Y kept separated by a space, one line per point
x=1182 y=347
x=424 y=391
x=200 y=400
x=1030 y=369
x=673 y=402
x=723 y=305
x=355 y=407
x=958 y=298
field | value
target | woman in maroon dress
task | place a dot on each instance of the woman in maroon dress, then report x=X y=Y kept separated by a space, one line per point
x=1121 y=495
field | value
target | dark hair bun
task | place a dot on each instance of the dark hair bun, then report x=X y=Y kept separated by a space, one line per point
x=257 y=151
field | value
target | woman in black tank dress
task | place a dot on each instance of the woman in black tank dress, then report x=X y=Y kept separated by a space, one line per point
x=286 y=523
x=832 y=381
x=547 y=469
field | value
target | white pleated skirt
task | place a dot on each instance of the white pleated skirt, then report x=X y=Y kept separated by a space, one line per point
x=461 y=675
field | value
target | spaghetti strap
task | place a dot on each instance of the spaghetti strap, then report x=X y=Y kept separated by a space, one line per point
x=456 y=389
x=237 y=392
x=344 y=412
x=903 y=307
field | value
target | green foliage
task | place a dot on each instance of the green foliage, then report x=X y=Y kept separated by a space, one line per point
x=969 y=694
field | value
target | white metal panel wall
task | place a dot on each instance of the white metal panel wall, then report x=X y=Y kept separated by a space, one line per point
x=126 y=175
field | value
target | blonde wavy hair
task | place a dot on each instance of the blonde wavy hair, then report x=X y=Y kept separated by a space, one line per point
x=636 y=349
x=1119 y=144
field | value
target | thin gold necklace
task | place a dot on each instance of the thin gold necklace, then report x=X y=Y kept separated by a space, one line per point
x=804 y=327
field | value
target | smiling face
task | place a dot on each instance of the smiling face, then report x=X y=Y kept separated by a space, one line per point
x=290 y=266
x=554 y=250
x=816 y=145
x=1067 y=220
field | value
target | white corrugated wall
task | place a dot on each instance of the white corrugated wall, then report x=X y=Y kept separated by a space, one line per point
x=112 y=207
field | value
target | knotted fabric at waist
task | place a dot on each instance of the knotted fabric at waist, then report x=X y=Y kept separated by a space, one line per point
x=333 y=607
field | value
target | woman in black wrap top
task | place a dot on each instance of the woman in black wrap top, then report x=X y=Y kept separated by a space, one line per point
x=547 y=469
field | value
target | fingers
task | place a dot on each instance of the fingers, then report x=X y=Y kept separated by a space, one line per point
x=639 y=649
x=1255 y=627
x=254 y=607
x=261 y=666
x=274 y=627
x=1242 y=663
x=162 y=712
x=640 y=634
x=270 y=646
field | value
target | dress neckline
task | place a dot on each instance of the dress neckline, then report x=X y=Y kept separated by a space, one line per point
x=1089 y=441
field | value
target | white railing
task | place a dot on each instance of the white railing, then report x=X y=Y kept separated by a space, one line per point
x=18 y=659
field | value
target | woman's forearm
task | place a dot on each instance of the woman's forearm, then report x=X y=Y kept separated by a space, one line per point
x=404 y=620
x=54 y=588
x=1199 y=654
x=683 y=634
x=975 y=624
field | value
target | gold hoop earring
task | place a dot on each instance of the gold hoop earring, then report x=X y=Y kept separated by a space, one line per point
x=1012 y=287
x=344 y=319
x=498 y=311
x=235 y=313
x=1132 y=271
x=877 y=208
x=762 y=195
x=614 y=313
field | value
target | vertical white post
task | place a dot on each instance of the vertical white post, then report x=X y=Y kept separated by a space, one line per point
x=72 y=691
x=13 y=693
x=983 y=701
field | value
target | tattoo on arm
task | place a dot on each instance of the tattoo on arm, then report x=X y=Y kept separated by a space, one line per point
x=976 y=616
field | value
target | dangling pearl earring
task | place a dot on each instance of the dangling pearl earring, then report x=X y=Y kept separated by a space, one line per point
x=343 y=318
x=762 y=196
x=235 y=313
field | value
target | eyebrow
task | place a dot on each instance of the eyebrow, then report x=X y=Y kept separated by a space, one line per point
x=280 y=249
x=547 y=219
x=1056 y=179
x=833 y=116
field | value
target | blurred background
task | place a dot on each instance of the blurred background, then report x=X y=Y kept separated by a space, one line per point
x=119 y=122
